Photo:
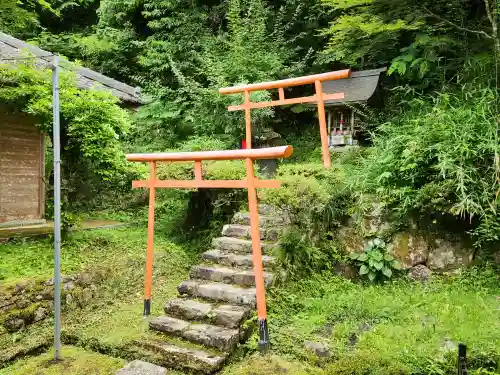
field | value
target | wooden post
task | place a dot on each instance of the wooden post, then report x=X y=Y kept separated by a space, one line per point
x=322 y=124
x=151 y=232
x=329 y=126
x=352 y=126
x=260 y=287
x=198 y=171
x=248 y=119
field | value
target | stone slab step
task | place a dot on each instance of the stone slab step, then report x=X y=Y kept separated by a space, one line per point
x=229 y=316
x=181 y=357
x=236 y=260
x=227 y=275
x=218 y=292
x=265 y=221
x=221 y=338
x=142 y=368
x=238 y=245
x=243 y=231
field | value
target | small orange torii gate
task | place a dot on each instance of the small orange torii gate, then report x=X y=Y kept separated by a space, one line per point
x=319 y=98
x=251 y=183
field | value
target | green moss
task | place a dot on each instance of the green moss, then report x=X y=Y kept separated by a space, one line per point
x=271 y=365
x=113 y=317
x=75 y=361
x=26 y=314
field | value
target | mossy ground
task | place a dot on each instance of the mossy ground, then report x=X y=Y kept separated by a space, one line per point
x=394 y=328
x=75 y=361
x=113 y=317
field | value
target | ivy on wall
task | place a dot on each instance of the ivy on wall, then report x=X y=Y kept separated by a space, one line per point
x=92 y=126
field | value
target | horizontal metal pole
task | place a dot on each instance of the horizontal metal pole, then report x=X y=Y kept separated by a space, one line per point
x=301 y=100
x=298 y=81
x=206 y=184
x=254 y=154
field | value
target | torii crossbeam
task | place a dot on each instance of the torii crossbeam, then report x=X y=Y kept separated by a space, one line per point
x=251 y=183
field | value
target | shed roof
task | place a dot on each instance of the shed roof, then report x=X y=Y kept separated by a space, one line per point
x=358 y=88
x=11 y=48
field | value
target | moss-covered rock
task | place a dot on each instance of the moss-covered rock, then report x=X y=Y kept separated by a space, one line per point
x=449 y=255
x=409 y=248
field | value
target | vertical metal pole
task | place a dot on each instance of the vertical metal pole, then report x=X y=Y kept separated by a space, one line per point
x=322 y=124
x=151 y=233
x=260 y=287
x=57 y=209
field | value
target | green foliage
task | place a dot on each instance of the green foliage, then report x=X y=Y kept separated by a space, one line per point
x=375 y=262
x=300 y=257
x=424 y=42
x=26 y=17
x=92 y=125
x=437 y=157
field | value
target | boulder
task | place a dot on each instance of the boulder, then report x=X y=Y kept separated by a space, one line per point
x=40 y=314
x=409 y=248
x=419 y=273
x=346 y=270
x=321 y=350
x=350 y=239
x=446 y=255
x=375 y=221
x=85 y=278
x=14 y=324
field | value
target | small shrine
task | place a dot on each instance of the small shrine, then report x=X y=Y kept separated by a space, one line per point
x=362 y=87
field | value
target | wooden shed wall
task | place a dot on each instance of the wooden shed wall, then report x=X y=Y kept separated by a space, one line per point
x=21 y=169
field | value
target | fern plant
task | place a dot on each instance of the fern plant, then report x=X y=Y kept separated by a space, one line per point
x=375 y=262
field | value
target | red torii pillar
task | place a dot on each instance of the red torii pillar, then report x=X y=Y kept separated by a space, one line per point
x=251 y=183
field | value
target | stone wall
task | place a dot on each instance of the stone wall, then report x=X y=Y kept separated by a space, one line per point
x=31 y=301
x=419 y=252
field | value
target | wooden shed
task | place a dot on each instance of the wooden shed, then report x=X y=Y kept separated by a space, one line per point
x=22 y=149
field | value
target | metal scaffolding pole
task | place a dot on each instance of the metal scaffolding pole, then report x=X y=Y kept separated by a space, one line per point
x=57 y=209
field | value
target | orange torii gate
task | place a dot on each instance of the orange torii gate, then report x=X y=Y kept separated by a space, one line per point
x=318 y=98
x=251 y=183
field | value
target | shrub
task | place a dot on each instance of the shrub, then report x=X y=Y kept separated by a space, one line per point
x=437 y=157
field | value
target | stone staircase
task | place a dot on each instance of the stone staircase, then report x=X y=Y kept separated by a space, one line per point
x=207 y=320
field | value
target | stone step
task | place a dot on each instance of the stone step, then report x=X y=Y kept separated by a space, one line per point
x=218 y=292
x=142 y=368
x=236 y=260
x=180 y=357
x=243 y=231
x=238 y=245
x=224 y=339
x=229 y=316
x=227 y=275
x=265 y=221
